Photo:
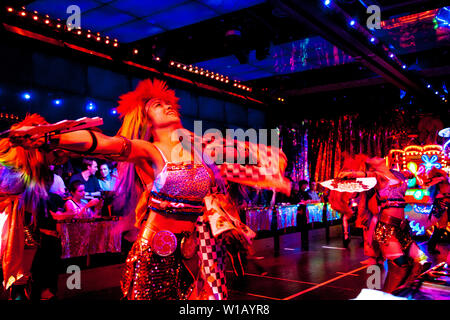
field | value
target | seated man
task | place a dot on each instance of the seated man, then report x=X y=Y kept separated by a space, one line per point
x=87 y=177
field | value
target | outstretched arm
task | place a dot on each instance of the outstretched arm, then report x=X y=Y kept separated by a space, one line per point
x=103 y=146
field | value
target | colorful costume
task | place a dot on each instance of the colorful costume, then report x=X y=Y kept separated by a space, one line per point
x=392 y=233
x=178 y=189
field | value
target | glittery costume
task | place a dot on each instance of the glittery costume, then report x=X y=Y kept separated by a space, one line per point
x=178 y=189
x=389 y=227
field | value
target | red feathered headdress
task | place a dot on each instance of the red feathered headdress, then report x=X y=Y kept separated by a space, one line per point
x=146 y=90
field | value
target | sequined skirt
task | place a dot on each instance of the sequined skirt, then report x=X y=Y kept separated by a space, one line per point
x=148 y=276
x=385 y=233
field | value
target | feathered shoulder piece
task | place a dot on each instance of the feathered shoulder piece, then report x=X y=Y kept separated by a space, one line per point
x=356 y=162
x=146 y=90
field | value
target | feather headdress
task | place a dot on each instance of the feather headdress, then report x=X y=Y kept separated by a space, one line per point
x=146 y=90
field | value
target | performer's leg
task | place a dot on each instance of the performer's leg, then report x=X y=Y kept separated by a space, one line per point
x=371 y=249
x=398 y=265
x=346 y=231
x=439 y=231
x=434 y=239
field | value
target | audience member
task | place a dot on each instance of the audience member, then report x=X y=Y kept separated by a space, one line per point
x=80 y=207
x=87 y=177
x=58 y=187
x=107 y=179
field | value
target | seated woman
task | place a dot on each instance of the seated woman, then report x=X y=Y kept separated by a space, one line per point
x=107 y=179
x=77 y=205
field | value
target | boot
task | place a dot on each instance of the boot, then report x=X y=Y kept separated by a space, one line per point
x=346 y=237
x=434 y=239
x=414 y=271
x=395 y=276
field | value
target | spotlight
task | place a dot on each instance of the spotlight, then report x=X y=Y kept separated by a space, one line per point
x=90 y=106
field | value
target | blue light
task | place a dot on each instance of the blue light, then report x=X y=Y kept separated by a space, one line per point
x=402 y=94
x=429 y=86
x=90 y=106
x=113 y=111
x=352 y=22
x=373 y=39
x=443 y=17
x=404 y=66
x=327 y=3
x=57 y=102
x=436 y=92
x=391 y=55
x=26 y=96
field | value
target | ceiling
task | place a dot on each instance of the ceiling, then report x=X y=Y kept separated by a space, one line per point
x=300 y=50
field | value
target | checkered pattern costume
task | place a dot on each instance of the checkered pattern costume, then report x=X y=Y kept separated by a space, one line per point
x=255 y=165
x=212 y=256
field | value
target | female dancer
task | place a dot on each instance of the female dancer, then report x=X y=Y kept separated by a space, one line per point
x=24 y=181
x=167 y=180
x=392 y=233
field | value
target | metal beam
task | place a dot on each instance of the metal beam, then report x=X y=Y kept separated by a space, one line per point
x=353 y=43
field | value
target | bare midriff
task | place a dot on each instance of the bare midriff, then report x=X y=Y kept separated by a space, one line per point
x=398 y=213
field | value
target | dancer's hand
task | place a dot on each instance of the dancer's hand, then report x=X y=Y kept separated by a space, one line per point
x=18 y=137
x=351 y=174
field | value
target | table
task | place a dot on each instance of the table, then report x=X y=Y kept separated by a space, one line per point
x=84 y=237
x=260 y=218
x=284 y=216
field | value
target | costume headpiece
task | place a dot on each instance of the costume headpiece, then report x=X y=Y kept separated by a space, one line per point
x=146 y=90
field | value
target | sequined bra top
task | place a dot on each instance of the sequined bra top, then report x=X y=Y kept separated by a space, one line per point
x=180 y=188
x=393 y=196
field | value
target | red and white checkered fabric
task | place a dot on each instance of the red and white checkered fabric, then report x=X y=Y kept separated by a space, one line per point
x=264 y=167
x=212 y=255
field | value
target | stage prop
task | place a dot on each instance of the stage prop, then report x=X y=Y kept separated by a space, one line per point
x=418 y=160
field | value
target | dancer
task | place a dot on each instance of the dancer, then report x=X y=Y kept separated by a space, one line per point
x=168 y=179
x=392 y=233
x=23 y=174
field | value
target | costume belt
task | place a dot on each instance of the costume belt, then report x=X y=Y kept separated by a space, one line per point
x=392 y=203
x=164 y=206
x=165 y=242
x=393 y=221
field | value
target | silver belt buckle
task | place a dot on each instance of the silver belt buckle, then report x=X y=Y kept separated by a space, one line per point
x=164 y=243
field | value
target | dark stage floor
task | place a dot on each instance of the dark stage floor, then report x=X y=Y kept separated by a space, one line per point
x=326 y=271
